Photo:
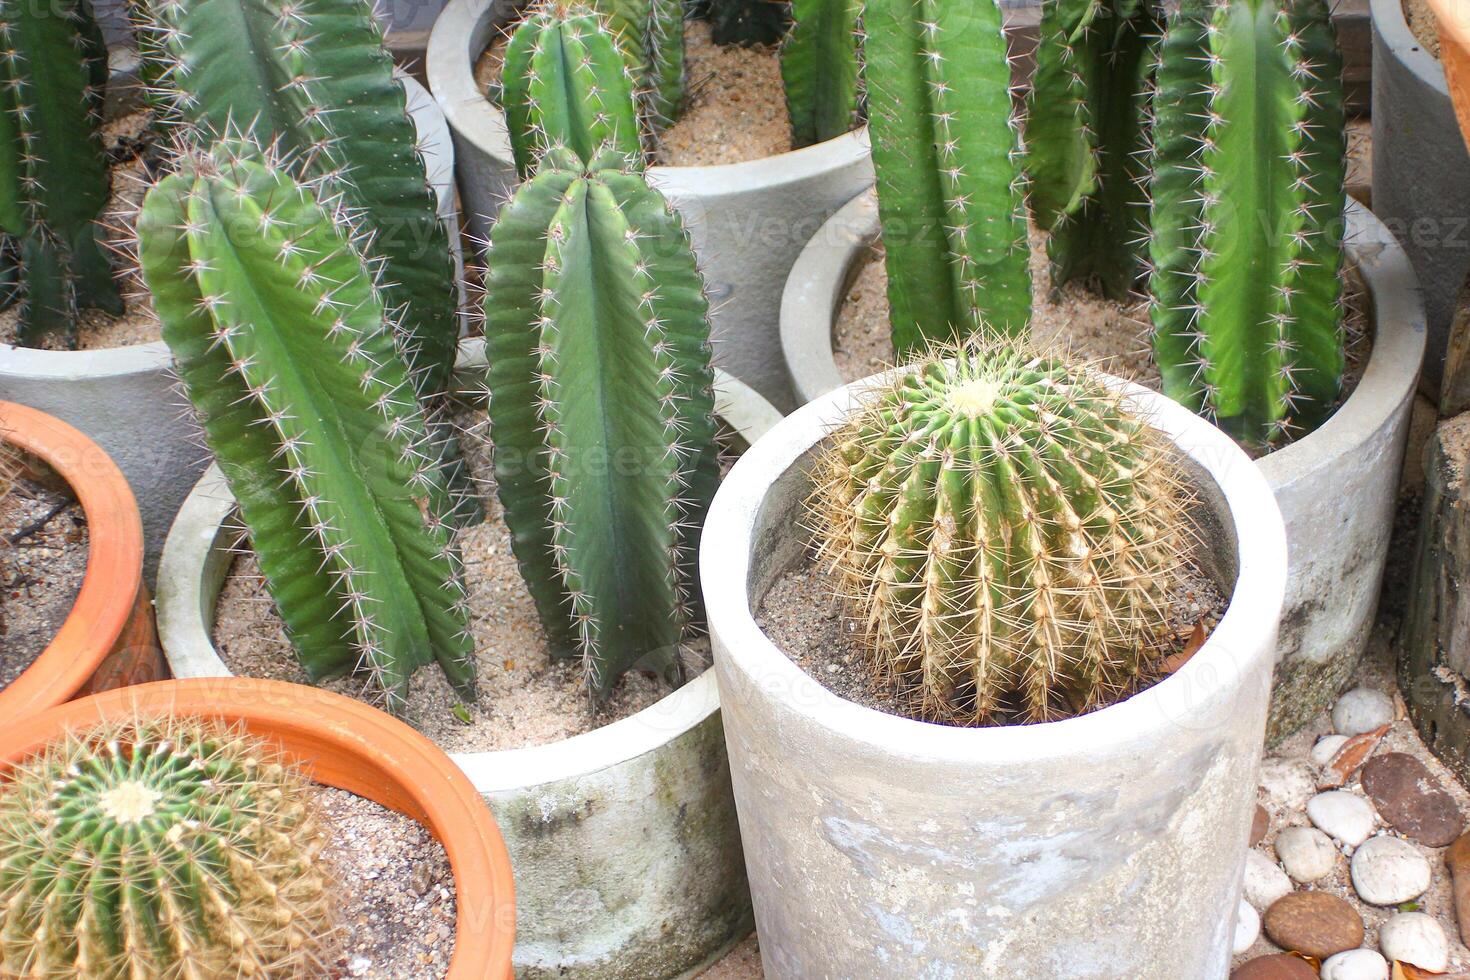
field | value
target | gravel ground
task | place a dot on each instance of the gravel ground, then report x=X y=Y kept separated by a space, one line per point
x=43 y=558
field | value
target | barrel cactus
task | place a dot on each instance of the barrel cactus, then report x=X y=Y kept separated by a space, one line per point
x=1247 y=215
x=1087 y=138
x=1009 y=527
x=285 y=347
x=54 y=176
x=601 y=411
x=819 y=66
x=946 y=148
x=162 y=848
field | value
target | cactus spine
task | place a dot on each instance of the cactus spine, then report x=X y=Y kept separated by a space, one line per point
x=1008 y=528
x=1087 y=138
x=819 y=65
x=284 y=346
x=651 y=34
x=54 y=177
x=161 y=848
x=601 y=411
x=1247 y=215
x=566 y=84
x=946 y=150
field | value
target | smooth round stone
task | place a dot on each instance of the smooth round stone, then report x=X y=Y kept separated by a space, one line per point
x=1306 y=853
x=1414 y=937
x=1411 y=800
x=1316 y=923
x=1265 y=882
x=1361 y=710
x=1289 y=784
x=1247 y=927
x=1327 y=747
x=1356 y=964
x=1343 y=815
x=1277 y=966
x=1387 y=871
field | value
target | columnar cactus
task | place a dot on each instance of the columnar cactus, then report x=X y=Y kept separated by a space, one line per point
x=946 y=149
x=819 y=65
x=1008 y=528
x=54 y=177
x=1247 y=215
x=162 y=848
x=566 y=83
x=1087 y=138
x=651 y=33
x=601 y=411
x=287 y=352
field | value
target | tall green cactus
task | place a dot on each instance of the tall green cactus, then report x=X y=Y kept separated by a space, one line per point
x=651 y=33
x=54 y=176
x=946 y=149
x=819 y=65
x=285 y=348
x=601 y=411
x=1247 y=215
x=566 y=83
x=1008 y=528
x=1087 y=138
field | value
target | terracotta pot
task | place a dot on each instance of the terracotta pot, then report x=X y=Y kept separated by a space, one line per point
x=108 y=639
x=1453 y=17
x=348 y=745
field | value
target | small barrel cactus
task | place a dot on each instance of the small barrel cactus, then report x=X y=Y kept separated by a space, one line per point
x=946 y=148
x=54 y=177
x=1009 y=528
x=819 y=65
x=286 y=350
x=162 y=848
x=601 y=411
x=1247 y=215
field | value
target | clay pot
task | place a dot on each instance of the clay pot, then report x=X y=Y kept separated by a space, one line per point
x=1454 y=54
x=348 y=745
x=108 y=640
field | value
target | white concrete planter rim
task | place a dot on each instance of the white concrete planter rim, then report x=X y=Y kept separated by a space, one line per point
x=1181 y=699
x=193 y=565
x=1391 y=25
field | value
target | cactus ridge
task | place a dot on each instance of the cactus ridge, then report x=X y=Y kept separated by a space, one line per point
x=601 y=411
x=819 y=65
x=651 y=35
x=285 y=348
x=1007 y=528
x=162 y=848
x=1247 y=216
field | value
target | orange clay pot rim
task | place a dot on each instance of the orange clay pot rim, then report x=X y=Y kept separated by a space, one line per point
x=114 y=575
x=348 y=745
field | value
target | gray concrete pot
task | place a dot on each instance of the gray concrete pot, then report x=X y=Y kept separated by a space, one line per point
x=1336 y=488
x=125 y=399
x=1105 y=846
x=1420 y=172
x=748 y=220
x=626 y=851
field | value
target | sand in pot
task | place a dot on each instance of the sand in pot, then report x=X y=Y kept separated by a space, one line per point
x=1421 y=21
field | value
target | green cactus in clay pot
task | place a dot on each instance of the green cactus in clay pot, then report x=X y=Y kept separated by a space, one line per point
x=162 y=848
x=819 y=66
x=1008 y=528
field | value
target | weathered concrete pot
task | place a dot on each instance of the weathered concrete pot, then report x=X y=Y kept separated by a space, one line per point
x=748 y=220
x=1109 y=845
x=125 y=399
x=624 y=841
x=1336 y=488
x=1420 y=172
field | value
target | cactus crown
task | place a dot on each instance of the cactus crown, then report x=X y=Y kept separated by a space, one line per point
x=1007 y=527
x=819 y=66
x=162 y=848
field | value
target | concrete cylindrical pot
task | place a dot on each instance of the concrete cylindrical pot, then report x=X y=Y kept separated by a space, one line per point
x=1420 y=171
x=1336 y=488
x=624 y=840
x=1107 y=845
x=748 y=220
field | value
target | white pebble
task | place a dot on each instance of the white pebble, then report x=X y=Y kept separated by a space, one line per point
x=1361 y=710
x=1343 y=815
x=1306 y=853
x=1288 y=784
x=1414 y=937
x=1265 y=882
x=1247 y=927
x=1387 y=870
x=1327 y=747
x=1355 y=964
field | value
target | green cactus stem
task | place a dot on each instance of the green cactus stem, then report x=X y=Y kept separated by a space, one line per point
x=1087 y=138
x=601 y=411
x=1247 y=215
x=946 y=151
x=287 y=352
x=819 y=65
x=651 y=34
x=162 y=848
x=1008 y=528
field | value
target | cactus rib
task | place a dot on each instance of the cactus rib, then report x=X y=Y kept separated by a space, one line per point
x=819 y=65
